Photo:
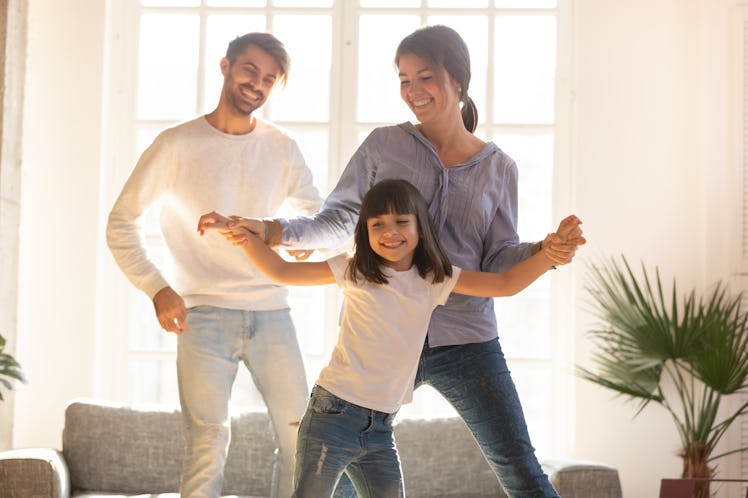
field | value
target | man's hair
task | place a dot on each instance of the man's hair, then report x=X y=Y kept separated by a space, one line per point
x=395 y=196
x=265 y=42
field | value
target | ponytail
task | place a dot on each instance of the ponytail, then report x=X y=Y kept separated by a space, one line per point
x=469 y=114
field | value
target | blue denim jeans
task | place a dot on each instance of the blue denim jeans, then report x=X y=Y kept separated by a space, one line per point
x=208 y=355
x=336 y=435
x=475 y=379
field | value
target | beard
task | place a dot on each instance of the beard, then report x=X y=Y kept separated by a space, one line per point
x=238 y=102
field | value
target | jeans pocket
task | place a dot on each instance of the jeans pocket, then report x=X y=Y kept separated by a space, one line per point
x=324 y=402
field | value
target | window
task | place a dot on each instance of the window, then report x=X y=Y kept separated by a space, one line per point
x=163 y=59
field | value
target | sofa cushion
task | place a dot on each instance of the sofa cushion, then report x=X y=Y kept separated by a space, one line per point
x=580 y=478
x=33 y=472
x=124 y=449
x=434 y=454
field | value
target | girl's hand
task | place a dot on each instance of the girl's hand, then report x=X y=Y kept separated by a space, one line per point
x=213 y=221
x=560 y=247
x=239 y=236
x=252 y=225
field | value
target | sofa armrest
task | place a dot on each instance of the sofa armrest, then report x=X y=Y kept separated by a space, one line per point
x=37 y=472
x=583 y=479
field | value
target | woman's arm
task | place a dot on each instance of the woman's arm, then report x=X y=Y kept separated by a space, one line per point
x=276 y=268
x=519 y=276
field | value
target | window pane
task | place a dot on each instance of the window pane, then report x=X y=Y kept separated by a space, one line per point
x=314 y=145
x=219 y=31
x=167 y=69
x=169 y=3
x=306 y=97
x=153 y=381
x=458 y=3
x=244 y=393
x=302 y=3
x=527 y=4
x=237 y=3
x=391 y=3
x=534 y=382
x=378 y=98
x=427 y=403
x=533 y=154
x=525 y=55
x=524 y=321
x=474 y=30
x=147 y=334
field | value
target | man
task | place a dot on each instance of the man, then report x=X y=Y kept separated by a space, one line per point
x=223 y=310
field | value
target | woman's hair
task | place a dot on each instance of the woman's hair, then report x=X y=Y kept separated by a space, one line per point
x=444 y=47
x=265 y=42
x=397 y=197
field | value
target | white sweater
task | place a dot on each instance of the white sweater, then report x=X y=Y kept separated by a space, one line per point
x=192 y=169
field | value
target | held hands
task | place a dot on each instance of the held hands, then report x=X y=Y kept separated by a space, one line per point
x=225 y=224
x=560 y=247
x=236 y=230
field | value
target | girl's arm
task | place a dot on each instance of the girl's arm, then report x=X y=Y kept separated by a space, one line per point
x=519 y=276
x=276 y=268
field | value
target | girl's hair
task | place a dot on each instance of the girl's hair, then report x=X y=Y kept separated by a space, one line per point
x=397 y=197
x=265 y=42
x=444 y=47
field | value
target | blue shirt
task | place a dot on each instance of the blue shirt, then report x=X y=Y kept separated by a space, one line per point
x=474 y=207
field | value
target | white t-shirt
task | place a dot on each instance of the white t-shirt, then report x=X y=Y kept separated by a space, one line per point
x=191 y=169
x=382 y=333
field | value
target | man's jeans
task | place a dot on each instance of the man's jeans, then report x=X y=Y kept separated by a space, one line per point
x=475 y=379
x=208 y=355
x=336 y=435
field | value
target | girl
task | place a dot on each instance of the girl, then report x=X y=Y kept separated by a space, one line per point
x=397 y=275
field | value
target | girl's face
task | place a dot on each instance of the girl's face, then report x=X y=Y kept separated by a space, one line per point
x=394 y=238
x=429 y=90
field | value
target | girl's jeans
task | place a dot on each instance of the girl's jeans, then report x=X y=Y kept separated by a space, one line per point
x=336 y=435
x=475 y=379
x=208 y=355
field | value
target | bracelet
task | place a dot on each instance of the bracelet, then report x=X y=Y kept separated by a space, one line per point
x=540 y=248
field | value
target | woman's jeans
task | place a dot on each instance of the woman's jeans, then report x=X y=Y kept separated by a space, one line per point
x=475 y=379
x=337 y=436
x=208 y=355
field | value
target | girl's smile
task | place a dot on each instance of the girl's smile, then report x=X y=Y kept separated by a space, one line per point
x=394 y=238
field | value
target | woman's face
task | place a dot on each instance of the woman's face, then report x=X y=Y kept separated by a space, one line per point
x=427 y=89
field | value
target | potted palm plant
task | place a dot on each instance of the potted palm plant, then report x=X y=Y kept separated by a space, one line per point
x=696 y=346
x=10 y=369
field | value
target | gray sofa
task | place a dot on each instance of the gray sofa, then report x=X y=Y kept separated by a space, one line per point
x=117 y=449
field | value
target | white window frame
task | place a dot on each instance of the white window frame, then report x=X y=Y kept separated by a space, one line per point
x=112 y=346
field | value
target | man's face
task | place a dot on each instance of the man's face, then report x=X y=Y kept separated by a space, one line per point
x=247 y=82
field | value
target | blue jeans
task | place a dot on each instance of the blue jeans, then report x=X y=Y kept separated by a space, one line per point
x=337 y=436
x=208 y=356
x=475 y=379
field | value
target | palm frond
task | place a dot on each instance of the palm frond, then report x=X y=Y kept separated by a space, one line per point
x=9 y=368
x=697 y=345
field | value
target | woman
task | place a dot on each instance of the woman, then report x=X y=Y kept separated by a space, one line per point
x=471 y=189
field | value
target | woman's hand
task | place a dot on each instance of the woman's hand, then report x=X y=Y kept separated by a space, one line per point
x=560 y=247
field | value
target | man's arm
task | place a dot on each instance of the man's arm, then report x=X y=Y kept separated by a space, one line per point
x=123 y=234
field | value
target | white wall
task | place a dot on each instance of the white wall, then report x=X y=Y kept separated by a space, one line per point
x=651 y=163
x=650 y=153
x=60 y=235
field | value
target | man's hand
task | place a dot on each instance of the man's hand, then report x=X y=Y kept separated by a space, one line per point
x=300 y=254
x=170 y=310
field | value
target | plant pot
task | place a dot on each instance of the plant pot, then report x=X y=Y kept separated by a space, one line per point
x=691 y=487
